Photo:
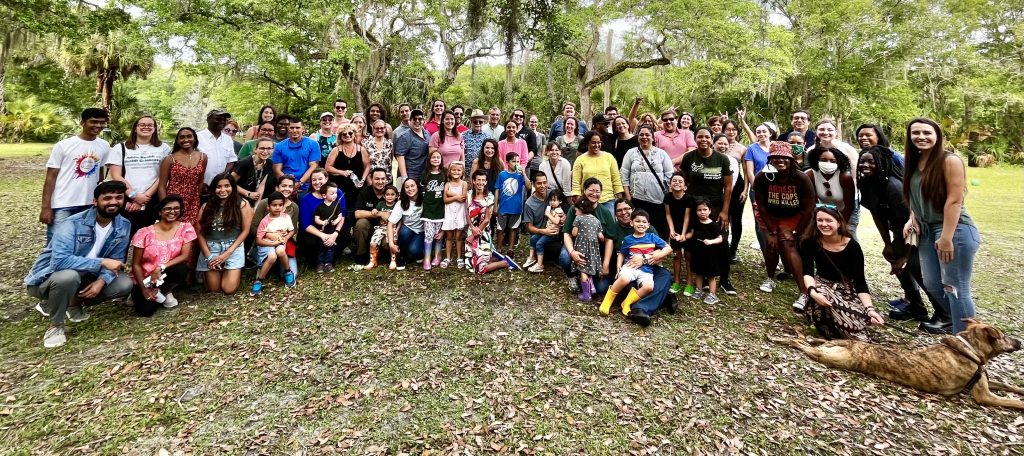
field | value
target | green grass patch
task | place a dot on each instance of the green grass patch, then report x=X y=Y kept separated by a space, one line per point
x=445 y=362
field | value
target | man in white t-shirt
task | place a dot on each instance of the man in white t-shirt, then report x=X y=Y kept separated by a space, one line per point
x=73 y=170
x=218 y=147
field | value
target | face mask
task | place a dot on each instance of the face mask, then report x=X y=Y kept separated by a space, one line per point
x=827 y=167
x=770 y=172
x=798 y=149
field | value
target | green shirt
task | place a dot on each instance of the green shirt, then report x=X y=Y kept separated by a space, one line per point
x=612 y=228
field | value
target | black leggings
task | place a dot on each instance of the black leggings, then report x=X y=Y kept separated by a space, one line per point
x=145 y=308
x=736 y=218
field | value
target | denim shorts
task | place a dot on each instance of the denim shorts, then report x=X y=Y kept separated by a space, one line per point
x=262 y=252
x=235 y=261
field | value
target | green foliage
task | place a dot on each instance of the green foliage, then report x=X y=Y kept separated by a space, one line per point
x=28 y=119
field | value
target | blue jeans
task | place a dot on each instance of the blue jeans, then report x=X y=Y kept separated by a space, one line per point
x=539 y=242
x=956 y=274
x=654 y=301
x=410 y=244
x=61 y=214
x=610 y=205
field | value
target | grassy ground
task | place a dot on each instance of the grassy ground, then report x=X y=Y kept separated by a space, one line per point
x=444 y=362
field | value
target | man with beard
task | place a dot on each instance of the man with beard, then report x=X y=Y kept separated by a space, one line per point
x=82 y=263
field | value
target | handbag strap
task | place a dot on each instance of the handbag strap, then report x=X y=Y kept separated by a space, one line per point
x=846 y=280
x=554 y=174
x=651 y=167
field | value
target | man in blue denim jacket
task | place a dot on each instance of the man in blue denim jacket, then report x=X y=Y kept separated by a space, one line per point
x=83 y=262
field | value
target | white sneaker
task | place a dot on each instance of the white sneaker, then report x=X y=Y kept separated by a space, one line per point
x=170 y=301
x=39 y=308
x=767 y=286
x=798 y=305
x=76 y=314
x=54 y=337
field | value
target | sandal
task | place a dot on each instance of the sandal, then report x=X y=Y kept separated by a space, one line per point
x=444 y=263
x=535 y=268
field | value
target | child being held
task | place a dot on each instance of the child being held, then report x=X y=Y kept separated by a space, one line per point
x=554 y=211
x=379 y=238
x=272 y=236
x=587 y=238
x=329 y=216
x=640 y=248
x=555 y=219
x=705 y=243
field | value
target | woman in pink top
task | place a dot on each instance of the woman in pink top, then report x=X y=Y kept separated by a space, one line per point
x=513 y=144
x=160 y=258
x=448 y=141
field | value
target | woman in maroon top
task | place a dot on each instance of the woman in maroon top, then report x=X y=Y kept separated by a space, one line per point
x=783 y=203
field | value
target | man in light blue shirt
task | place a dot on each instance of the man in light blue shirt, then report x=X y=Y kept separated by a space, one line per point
x=82 y=263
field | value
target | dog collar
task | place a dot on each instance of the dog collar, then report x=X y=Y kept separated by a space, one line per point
x=972 y=355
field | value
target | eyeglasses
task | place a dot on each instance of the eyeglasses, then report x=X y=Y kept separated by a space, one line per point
x=172 y=209
x=340 y=107
x=230 y=131
x=799 y=117
x=379 y=129
x=265 y=148
x=147 y=126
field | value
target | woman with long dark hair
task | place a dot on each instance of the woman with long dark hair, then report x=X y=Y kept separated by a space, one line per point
x=831 y=174
x=594 y=162
x=833 y=275
x=267 y=114
x=489 y=161
x=881 y=190
x=181 y=173
x=646 y=170
x=405 y=224
x=223 y=226
x=448 y=141
x=947 y=237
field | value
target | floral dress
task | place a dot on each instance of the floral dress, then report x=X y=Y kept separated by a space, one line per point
x=478 y=248
x=187 y=183
x=380 y=157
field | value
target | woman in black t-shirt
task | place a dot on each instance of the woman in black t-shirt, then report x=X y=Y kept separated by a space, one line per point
x=833 y=274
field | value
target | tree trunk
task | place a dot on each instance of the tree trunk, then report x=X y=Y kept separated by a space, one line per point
x=3 y=90
x=108 y=91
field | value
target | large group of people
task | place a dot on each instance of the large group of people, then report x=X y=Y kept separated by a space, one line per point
x=637 y=211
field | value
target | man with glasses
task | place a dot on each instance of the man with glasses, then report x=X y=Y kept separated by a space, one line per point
x=298 y=156
x=494 y=128
x=326 y=138
x=474 y=138
x=265 y=129
x=411 y=148
x=218 y=147
x=340 y=108
x=672 y=140
x=558 y=126
x=801 y=123
x=404 y=112
x=459 y=112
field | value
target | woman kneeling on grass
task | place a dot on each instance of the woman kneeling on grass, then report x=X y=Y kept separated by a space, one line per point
x=223 y=226
x=833 y=268
x=160 y=257
x=482 y=258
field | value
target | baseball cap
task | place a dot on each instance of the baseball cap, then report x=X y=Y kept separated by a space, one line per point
x=218 y=113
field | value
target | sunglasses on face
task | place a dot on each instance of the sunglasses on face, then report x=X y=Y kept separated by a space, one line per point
x=670 y=119
x=347 y=133
x=230 y=131
x=341 y=107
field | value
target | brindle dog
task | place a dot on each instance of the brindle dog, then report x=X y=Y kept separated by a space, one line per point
x=955 y=365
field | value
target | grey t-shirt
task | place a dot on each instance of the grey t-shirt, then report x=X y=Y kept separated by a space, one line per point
x=534 y=212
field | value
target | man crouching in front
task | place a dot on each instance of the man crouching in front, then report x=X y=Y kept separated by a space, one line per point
x=82 y=263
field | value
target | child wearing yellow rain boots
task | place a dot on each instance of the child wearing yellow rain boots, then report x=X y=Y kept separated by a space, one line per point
x=640 y=244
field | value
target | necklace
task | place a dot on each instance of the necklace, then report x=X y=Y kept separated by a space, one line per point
x=190 y=154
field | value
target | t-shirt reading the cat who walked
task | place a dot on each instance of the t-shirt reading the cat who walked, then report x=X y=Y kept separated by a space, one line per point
x=704 y=175
x=79 y=162
x=433 y=196
x=783 y=198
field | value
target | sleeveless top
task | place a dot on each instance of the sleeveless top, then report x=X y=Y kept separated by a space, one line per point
x=925 y=212
x=221 y=233
x=187 y=183
x=833 y=186
x=354 y=164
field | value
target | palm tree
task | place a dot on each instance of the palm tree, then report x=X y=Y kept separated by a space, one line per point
x=13 y=38
x=110 y=56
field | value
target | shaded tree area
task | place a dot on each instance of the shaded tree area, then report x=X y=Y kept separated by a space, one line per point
x=852 y=60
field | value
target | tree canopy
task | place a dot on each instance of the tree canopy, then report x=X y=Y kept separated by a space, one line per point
x=885 y=62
